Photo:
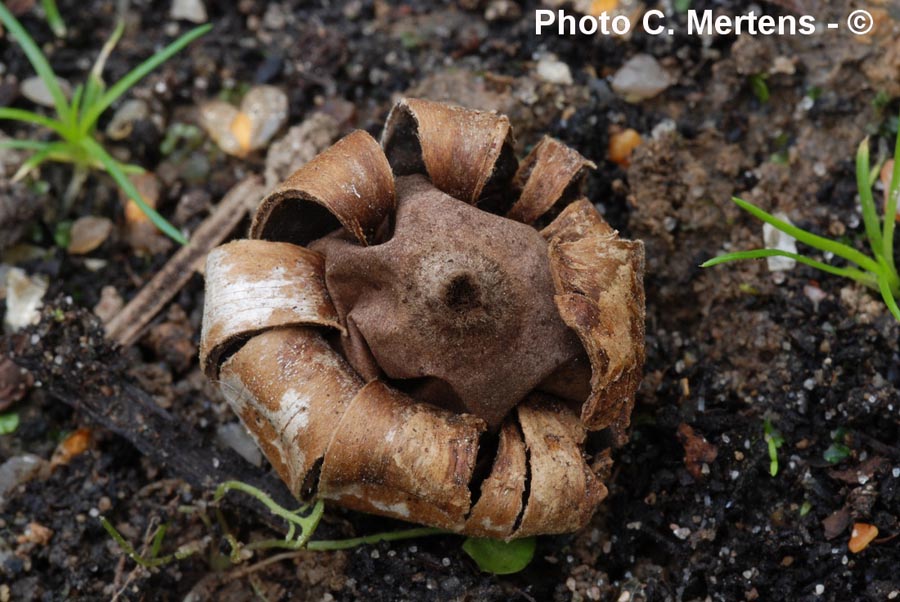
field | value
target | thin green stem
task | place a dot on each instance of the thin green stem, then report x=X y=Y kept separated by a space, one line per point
x=153 y=561
x=813 y=240
x=306 y=523
x=345 y=544
x=93 y=112
x=37 y=60
x=865 y=278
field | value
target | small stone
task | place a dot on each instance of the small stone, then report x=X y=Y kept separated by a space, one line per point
x=776 y=239
x=35 y=90
x=264 y=110
x=814 y=294
x=18 y=470
x=553 y=71
x=861 y=536
x=72 y=446
x=188 y=10
x=123 y=119
x=622 y=145
x=235 y=436
x=24 y=298
x=87 y=234
x=110 y=304
x=820 y=589
x=35 y=533
x=640 y=78
x=15 y=382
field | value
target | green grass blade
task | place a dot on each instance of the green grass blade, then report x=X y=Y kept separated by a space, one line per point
x=869 y=213
x=13 y=114
x=813 y=240
x=37 y=60
x=58 y=148
x=34 y=145
x=54 y=19
x=114 y=170
x=75 y=105
x=888 y=295
x=852 y=273
x=890 y=210
x=95 y=84
x=135 y=75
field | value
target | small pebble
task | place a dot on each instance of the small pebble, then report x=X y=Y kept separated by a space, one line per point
x=35 y=90
x=189 y=10
x=640 y=78
x=776 y=239
x=87 y=234
x=622 y=145
x=553 y=71
x=24 y=298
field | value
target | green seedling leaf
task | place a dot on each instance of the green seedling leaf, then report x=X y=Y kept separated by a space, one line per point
x=836 y=452
x=93 y=113
x=62 y=234
x=500 y=557
x=54 y=20
x=760 y=87
x=805 y=508
x=774 y=441
x=9 y=423
x=682 y=6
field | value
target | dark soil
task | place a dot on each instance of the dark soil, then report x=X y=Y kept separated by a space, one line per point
x=727 y=348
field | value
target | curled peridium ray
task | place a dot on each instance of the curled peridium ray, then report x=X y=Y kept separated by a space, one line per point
x=372 y=368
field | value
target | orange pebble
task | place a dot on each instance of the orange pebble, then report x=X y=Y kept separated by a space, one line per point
x=621 y=145
x=598 y=7
x=242 y=128
x=73 y=445
x=148 y=186
x=862 y=536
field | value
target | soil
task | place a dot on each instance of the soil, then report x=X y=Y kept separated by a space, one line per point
x=693 y=511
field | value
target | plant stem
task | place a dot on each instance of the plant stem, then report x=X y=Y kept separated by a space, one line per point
x=344 y=544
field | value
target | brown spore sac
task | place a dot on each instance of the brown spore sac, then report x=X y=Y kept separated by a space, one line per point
x=456 y=306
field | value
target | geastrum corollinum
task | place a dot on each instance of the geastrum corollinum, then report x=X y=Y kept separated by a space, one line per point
x=399 y=338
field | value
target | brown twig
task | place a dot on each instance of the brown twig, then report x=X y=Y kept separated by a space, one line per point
x=126 y=327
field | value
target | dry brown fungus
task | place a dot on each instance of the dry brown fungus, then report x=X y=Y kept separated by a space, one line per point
x=399 y=337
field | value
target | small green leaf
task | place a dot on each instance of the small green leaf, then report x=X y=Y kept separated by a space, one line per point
x=682 y=6
x=836 y=452
x=62 y=234
x=760 y=87
x=500 y=557
x=774 y=440
x=9 y=423
x=805 y=508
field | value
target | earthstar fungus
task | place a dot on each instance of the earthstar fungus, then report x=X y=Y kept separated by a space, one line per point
x=399 y=337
